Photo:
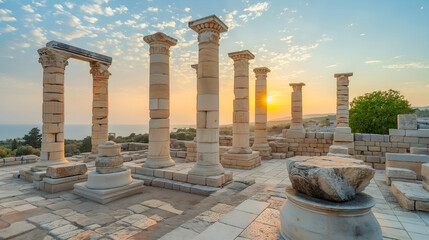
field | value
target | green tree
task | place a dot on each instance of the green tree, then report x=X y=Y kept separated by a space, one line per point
x=15 y=145
x=26 y=150
x=4 y=152
x=33 y=138
x=377 y=112
x=86 y=145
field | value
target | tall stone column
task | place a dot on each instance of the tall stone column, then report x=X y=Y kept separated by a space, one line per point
x=241 y=155
x=100 y=105
x=343 y=137
x=296 y=129
x=261 y=143
x=53 y=63
x=208 y=29
x=159 y=101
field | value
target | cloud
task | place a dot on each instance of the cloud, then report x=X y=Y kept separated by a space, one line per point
x=4 y=15
x=90 y=19
x=121 y=9
x=152 y=9
x=7 y=29
x=287 y=39
x=35 y=18
x=331 y=66
x=163 y=25
x=109 y=11
x=229 y=20
x=140 y=25
x=72 y=35
x=23 y=45
x=362 y=34
x=69 y=5
x=27 y=8
x=407 y=65
x=136 y=16
x=92 y=9
x=185 y=19
x=59 y=7
x=350 y=25
x=187 y=9
x=421 y=8
x=372 y=61
x=38 y=36
x=254 y=10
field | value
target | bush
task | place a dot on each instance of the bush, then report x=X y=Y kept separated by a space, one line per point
x=26 y=150
x=184 y=134
x=377 y=112
x=86 y=145
x=4 y=152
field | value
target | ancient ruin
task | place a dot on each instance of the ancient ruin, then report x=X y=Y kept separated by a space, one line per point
x=159 y=100
x=261 y=143
x=296 y=129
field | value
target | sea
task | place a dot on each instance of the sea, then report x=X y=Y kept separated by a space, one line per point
x=76 y=131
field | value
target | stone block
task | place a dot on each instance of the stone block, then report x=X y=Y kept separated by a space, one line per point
x=180 y=176
x=425 y=176
x=407 y=121
x=200 y=180
x=419 y=150
x=399 y=174
x=144 y=171
x=66 y=170
x=203 y=190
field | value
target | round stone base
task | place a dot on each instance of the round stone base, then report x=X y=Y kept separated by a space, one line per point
x=161 y=162
x=303 y=217
x=207 y=170
x=108 y=180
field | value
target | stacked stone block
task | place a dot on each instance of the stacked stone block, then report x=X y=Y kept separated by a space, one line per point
x=296 y=128
x=53 y=63
x=159 y=101
x=260 y=141
x=100 y=109
x=209 y=30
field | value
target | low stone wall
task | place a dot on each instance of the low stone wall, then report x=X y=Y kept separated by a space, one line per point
x=18 y=160
x=314 y=144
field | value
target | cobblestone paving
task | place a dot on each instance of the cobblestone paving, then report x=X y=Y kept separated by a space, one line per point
x=236 y=212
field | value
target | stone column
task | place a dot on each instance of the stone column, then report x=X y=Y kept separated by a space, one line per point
x=296 y=129
x=343 y=137
x=53 y=63
x=208 y=29
x=159 y=100
x=261 y=143
x=100 y=105
x=240 y=140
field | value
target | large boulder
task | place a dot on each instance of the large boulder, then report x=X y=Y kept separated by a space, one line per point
x=331 y=178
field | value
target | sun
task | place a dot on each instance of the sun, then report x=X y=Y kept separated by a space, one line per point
x=268 y=99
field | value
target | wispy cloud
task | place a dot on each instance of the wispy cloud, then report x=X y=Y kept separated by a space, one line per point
x=27 y=8
x=372 y=61
x=164 y=24
x=4 y=15
x=90 y=19
x=7 y=29
x=254 y=11
x=407 y=65
x=152 y=9
x=331 y=66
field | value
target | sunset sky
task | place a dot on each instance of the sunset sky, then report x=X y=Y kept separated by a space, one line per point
x=385 y=43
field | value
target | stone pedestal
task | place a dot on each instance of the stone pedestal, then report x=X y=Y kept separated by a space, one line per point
x=100 y=106
x=261 y=142
x=296 y=129
x=241 y=155
x=53 y=63
x=159 y=100
x=343 y=135
x=304 y=217
x=111 y=180
x=209 y=30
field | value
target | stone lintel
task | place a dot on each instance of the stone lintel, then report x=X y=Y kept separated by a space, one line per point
x=160 y=37
x=261 y=70
x=245 y=54
x=211 y=21
x=194 y=66
x=338 y=75
x=79 y=53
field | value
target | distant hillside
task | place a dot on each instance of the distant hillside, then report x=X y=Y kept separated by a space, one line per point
x=306 y=116
x=422 y=108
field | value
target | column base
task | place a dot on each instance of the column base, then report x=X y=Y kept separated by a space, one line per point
x=295 y=133
x=241 y=161
x=104 y=196
x=207 y=170
x=43 y=165
x=159 y=162
x=264 y=151
x=240 y=150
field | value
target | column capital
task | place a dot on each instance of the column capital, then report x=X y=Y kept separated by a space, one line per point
x=52 y=58
x=297 y=86
x=343 y=75
x=261 y=70
x=245 y=54
x=160 y=43
x=99 y=69
x=209 y=23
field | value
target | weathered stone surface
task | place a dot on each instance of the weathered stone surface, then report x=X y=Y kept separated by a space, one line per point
x=66 y=170
x=409 y=195
x=332 y=178
x=425 y=176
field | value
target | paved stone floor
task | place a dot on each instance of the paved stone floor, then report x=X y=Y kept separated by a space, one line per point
x=238 y=211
